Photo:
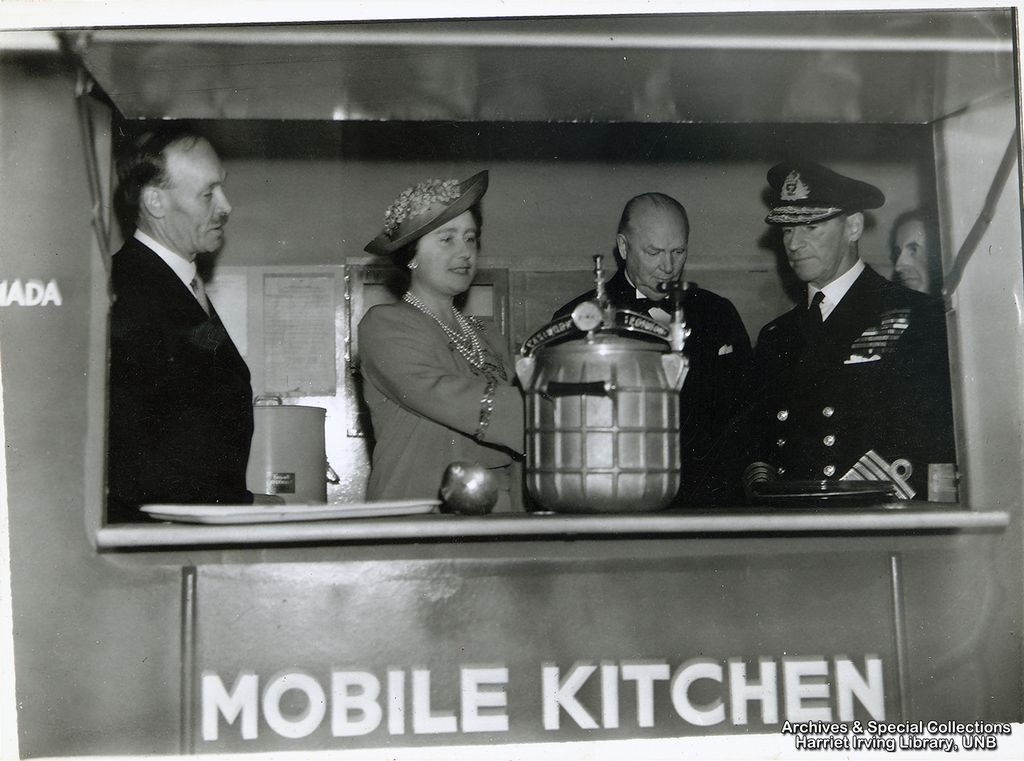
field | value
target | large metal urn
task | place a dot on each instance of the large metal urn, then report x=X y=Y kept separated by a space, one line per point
x=602 y=409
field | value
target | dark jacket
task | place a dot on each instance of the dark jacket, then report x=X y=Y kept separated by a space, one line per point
x=876 y=378
x=714 y=447
x=180 y=400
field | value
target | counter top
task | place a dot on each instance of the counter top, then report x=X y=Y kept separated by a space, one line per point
x=888 y=519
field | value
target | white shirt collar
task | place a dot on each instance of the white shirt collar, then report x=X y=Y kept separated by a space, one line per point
x=182 y=267
x=655 y=311
x=640 y=294
x=835 y=290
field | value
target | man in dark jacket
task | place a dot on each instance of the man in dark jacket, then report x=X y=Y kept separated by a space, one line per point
x=861 y=366
x=180 y=400
x=651 y=248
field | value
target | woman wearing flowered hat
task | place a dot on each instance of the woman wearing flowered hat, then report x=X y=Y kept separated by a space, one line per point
x=439 y=388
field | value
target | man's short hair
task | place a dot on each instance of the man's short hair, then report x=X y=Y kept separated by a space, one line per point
x=144 y=163
x=927 y=219
x=655 y=200
x=929 y=224
x=645 y=200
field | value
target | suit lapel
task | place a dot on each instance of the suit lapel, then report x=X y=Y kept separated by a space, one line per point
x=856 y=312
x=206 y=332
x=620 y=292
x=168 y=288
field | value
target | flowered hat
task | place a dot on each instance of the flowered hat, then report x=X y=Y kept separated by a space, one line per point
x=425 y=207
x=804 y=192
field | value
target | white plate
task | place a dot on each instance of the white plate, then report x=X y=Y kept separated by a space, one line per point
x=286 y=513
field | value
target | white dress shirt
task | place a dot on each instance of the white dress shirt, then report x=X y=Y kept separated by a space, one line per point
x=657 y=314
x=834 y=291
x=182 y=267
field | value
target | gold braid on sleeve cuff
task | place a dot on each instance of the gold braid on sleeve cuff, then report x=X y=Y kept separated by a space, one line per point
x=486 y=410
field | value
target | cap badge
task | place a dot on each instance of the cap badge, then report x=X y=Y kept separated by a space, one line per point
x=794 y=188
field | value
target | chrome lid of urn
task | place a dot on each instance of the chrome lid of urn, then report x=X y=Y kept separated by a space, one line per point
x=602 y=408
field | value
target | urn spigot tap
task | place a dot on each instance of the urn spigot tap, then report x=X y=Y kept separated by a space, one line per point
x=677 y=330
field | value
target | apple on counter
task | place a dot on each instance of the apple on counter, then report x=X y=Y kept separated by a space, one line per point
x=468 y=488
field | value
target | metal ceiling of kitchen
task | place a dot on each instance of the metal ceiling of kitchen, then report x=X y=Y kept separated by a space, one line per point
x=877 y=67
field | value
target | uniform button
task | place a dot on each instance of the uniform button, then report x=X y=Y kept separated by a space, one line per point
x=829 y=440
x=782 y=414
x=829 y=470
x=780 y=442
x=781 y=471
x=828 y=411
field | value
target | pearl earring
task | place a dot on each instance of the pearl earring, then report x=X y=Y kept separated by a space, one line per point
x=412 y=265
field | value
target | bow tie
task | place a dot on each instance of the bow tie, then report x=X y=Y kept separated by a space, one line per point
x=643 y=305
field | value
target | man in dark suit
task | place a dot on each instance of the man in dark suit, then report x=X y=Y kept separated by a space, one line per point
x=180 y=402
x=651 y=248
x=862 y=364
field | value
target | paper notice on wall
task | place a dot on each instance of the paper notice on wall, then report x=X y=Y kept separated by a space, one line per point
x=298 y=335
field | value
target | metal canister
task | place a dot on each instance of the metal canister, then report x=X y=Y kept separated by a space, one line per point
x=602 y=411
x=287 y=456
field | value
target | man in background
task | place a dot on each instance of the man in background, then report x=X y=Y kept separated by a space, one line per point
x=861 y=365
x=651 y=249
x=180 y=401
x=915 y=252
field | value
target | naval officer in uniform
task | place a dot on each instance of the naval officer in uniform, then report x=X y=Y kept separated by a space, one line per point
x=859 y=368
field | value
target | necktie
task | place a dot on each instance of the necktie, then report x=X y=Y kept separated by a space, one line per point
x=814 y=320
x=200 y=293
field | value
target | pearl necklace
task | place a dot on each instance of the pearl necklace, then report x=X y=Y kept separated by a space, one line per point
x=465 y=339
